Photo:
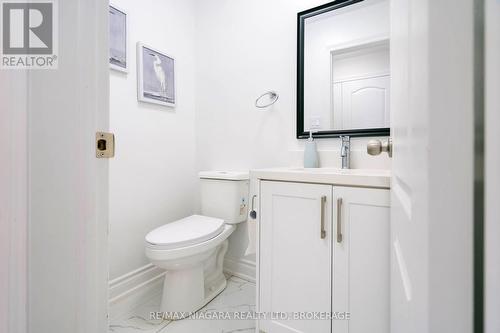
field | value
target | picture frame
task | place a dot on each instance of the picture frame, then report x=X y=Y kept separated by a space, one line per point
x=118 y=35
x=155 y=76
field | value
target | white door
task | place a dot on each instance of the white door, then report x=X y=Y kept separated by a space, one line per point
x=361 y=265
x=295 y=257
x=365 y=103
x=56 y=223
x=432 y=58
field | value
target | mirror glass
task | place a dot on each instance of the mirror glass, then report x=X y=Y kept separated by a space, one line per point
x=345 y=69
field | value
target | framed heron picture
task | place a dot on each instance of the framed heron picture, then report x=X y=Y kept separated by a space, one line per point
x=117 y=39
x=155 y=76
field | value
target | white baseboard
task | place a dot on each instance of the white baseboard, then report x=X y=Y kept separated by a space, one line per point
x=134 y=289
x=241 y=268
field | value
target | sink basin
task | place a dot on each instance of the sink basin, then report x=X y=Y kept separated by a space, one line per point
x=340 y=171
x=347 y=177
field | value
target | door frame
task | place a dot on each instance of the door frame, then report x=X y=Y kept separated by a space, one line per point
x=479 y=164
x=492 y=165
x=13 y=201
x=76 y=108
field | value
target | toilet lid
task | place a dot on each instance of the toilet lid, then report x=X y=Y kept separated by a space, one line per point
x=187 y=231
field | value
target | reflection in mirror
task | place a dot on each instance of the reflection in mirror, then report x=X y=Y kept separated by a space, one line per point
x=347 y=68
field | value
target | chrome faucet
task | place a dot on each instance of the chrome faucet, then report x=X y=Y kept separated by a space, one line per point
x=345 y=152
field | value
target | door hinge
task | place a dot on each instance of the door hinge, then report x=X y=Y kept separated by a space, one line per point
x=104 y=145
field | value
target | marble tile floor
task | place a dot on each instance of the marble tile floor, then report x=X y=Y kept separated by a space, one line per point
x=238 y=297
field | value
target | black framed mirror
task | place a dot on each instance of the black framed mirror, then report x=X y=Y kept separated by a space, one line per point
x=343 y=69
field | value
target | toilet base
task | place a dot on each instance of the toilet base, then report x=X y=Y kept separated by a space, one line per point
x=189 y=289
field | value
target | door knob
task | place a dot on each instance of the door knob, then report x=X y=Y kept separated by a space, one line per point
x=375 y=147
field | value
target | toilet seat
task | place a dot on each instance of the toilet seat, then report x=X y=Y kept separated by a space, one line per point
x=160 y=253
x=188 y=231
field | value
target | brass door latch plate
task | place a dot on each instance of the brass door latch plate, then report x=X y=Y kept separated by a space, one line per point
x=104 y=145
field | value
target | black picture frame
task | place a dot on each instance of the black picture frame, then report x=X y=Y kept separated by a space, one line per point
x=301 y=133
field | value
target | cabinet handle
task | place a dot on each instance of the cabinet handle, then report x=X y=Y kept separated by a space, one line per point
x=323 y=232
x=339 y=220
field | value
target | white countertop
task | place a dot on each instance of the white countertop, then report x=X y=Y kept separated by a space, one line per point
x=334 y=176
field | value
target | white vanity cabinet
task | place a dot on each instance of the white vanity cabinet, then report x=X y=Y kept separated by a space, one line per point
x=323 y=248
x=361 y=259
x=295 y=254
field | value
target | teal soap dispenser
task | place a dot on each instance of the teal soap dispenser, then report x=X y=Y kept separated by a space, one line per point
x=310 y=153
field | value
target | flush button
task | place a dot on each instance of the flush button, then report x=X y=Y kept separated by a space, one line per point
x=242 y=206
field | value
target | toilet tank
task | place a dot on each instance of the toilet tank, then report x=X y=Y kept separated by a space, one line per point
x=224 y=194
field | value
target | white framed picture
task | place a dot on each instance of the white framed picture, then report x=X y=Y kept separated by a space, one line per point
x=155 y=76
x=118 y=39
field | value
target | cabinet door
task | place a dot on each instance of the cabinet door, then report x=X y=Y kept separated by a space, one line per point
x=361 y=266
x=294 y=255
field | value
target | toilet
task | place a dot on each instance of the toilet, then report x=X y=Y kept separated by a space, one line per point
x=192 y=249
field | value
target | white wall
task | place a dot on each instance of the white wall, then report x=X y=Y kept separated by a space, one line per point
x=153 y=175
x=245 y=48
x=227 y=53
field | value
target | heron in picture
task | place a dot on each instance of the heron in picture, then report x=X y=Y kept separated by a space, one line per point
x=156 y=76
x=160 y=75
